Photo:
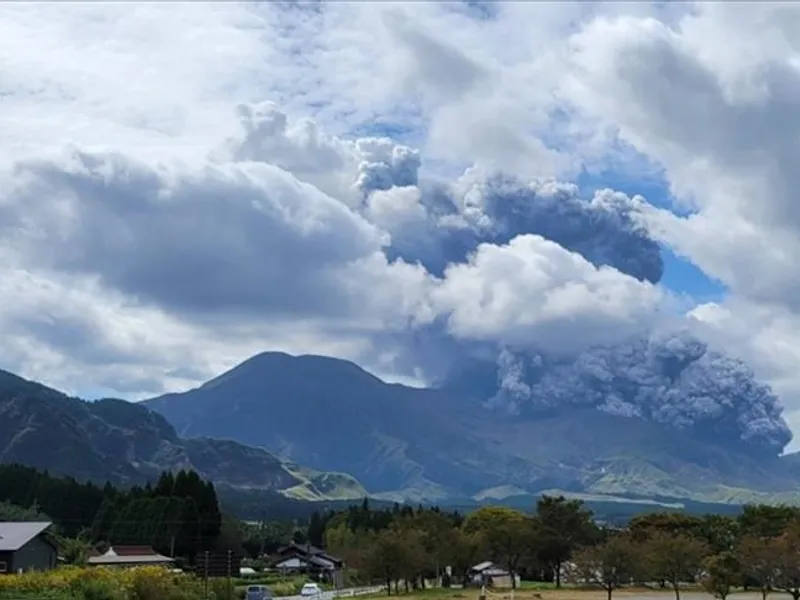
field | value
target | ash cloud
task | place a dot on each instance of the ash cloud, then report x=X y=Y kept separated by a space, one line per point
x=672 y=379
x=332 y=228
x=495 y=208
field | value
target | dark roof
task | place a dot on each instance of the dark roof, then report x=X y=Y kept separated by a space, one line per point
x=14 y=535
x=302 y=548
x=309 y=553
x=133 y=550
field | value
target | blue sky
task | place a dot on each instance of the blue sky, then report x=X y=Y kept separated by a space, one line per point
x=680 y=275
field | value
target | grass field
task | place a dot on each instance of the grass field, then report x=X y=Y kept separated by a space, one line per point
x=532 y=591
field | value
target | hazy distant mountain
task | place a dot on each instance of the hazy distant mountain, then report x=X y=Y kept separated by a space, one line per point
x=424 y=443
x=128 y=443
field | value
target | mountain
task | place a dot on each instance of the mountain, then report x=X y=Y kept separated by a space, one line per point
x=127 y=443
x=434 y=444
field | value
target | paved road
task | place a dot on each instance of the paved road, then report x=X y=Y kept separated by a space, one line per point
x=345 y=593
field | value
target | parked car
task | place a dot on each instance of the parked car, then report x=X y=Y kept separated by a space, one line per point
x=258 y=592
x=310 y=589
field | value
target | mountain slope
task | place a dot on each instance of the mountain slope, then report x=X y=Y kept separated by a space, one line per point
x=127 y=443
x=430 y=444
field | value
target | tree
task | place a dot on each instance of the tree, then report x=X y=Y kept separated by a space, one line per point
x=720 y=532
x=610 y=565
x=507 y=533
x=644 y=526
x=74 y=551
x=721 y=573
x=674 y=558
x=787 y=548
x=762 y=520
x=563 y=526
x=316 y=529
x=465 y=548
x=760 y=560
x=391 y=556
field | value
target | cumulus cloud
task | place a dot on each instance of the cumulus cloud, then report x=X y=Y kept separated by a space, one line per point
x=534 y=293
x=723 y=125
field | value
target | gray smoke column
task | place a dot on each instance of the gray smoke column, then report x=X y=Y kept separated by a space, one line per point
x=672 y=379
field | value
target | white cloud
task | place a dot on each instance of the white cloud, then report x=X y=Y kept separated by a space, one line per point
x=712 y=97
x=533 y=292
x=201 y=177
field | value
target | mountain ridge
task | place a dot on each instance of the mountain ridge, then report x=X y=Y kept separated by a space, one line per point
x=424 y=443
x=127 y=443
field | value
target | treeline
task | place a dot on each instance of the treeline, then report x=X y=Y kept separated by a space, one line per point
x=759 y=548
x=178 y=516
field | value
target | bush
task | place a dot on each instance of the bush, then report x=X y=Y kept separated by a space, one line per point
x=76 y=583
x=88 y=588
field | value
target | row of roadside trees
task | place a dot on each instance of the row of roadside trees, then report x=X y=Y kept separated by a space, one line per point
x=758 y=549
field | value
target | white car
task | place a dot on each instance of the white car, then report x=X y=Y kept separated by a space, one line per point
x=310 y=589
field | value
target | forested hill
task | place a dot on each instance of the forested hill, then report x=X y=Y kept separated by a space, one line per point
x=179 y=512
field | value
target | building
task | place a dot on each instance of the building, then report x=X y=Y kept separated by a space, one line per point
x=305 y=558
x=489 y=574
x=129 y=556
x=26 y=547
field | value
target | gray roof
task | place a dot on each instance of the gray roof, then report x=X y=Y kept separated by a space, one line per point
x=14 y=535
x=129 y=560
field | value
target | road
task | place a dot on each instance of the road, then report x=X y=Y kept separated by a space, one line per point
x=345 y=593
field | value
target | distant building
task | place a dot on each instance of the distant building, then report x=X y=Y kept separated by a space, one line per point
x=129 y=556
x=489 y=574
x=26 y=547
x=305 y=558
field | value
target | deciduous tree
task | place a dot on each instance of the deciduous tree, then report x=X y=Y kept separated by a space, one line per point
x=720 y=574
x=563 y=526
x=610 y=565
x=760 y=560
x=508 y=535
x=787 y=547
x=674 y=559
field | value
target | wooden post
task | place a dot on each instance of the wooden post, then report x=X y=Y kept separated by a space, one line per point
x=205 y=575
x=230 y=595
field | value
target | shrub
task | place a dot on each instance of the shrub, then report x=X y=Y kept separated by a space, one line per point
x=76 y=583
x=90 y=588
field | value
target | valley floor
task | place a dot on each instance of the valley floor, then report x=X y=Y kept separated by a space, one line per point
x=527 y=593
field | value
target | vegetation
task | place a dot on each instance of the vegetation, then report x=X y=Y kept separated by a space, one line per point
x=178 y=516
x=404 y=548
x=147 y=583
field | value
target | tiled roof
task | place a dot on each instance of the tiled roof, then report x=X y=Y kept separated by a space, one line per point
x=129 y=555
x=14 y=535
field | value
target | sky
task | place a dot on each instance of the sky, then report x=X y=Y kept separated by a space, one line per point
x=406 y=185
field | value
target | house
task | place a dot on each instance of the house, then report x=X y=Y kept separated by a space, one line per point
x=305 y=558
x=129 y=556
x=26 y=547
x=489 y=574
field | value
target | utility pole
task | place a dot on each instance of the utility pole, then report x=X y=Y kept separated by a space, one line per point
x=228 y=587
x=205 y=576
x=262 y=533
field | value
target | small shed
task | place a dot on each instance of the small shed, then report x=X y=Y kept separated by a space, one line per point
x=25 y=546
x=491 y=575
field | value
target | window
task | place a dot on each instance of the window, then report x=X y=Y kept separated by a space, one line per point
x=3 y=567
